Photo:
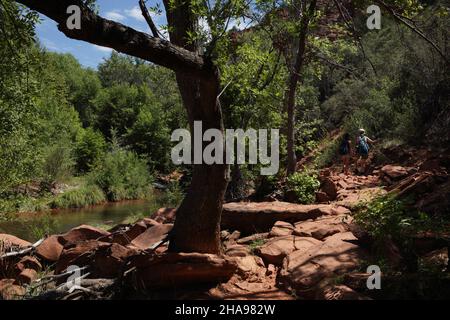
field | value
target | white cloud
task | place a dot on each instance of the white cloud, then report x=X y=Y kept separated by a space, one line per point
x=115 y=15
x=103 y=49
x=135 y=13
x=239 y=24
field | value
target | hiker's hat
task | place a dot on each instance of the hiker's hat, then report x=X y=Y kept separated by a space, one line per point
x=362 y=131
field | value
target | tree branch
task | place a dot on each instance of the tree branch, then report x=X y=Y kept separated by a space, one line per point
x=148 y=18
x=355 y=33
x=409 y=23
x=107 y=33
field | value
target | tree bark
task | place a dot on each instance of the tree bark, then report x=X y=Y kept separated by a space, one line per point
x=291 y=90
x=197 y=226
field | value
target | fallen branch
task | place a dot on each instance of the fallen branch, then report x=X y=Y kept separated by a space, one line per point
x=22 y=252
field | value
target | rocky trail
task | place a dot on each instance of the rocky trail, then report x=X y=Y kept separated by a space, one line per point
x=271 y=250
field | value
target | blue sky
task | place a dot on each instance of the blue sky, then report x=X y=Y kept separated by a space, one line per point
x=123 y=11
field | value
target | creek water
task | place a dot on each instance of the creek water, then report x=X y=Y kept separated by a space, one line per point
x=31 y=226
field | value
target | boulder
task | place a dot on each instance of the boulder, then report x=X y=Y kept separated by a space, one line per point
x=322 y=197
x=12 y=242
x=107 y=261
x=281 y=228
x=73 y=253
x=328 y=186
x=165 y=215
x=340 y=211
x=149 y=222
x=342 y=184
x=10 y=291
x=303 y=269
x=394 y=172
x=126 y=236
x=275 y=249
x=151 y=236
x=174 y=270
x=237 y=250
x=82 y=233
x=322 y=227
x=28 y=262
x=249 y=265
x=50 y=249
x=234 y=236
x=27 y=276
x=252 y=217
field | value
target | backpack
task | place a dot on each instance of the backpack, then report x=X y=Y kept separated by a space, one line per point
x=362 y=145
x=343 y=148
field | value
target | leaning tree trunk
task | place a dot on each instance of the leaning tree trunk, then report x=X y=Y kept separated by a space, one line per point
x=197 y=226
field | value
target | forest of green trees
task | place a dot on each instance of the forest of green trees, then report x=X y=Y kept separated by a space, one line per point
x=108 y=130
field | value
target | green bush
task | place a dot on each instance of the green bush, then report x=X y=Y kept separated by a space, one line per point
x=122 y=175
x=89 y=149
x=58 y=164
x=329 y=154
x=304 y=184
x=389 y=218
x=172 y=196
x=79 y=198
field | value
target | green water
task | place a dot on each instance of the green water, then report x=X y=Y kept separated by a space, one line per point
x=32 y=226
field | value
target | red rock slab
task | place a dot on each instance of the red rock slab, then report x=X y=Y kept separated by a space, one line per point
x=27 y=276
x=275 y=249
x=151 y=236
x=303 y=270
x=72 y=254
x=281 y=228
x=394 y=172
x=50 y=249
x=82 y=233
x=9 y=241
x=165 y=215
x=253 y=217
x=9 y=290
x=323 y=227
x=28 y=262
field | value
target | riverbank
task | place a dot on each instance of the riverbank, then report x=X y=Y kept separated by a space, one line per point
x=33 y=226
x=78 y=193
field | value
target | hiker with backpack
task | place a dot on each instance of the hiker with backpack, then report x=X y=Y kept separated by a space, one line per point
x=362 y=147
x=345 y=151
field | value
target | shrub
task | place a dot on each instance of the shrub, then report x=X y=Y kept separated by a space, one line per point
x=89 y=149
x=80 y=197
x=122 y=175
x=388 y=218
x=329 y=154
x=172 y=196
x=304 y=184
x=58 y=163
